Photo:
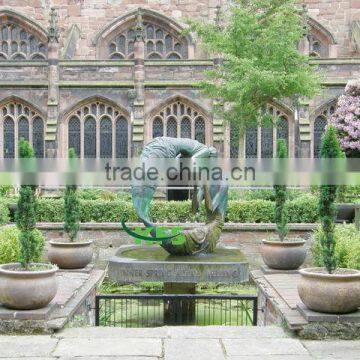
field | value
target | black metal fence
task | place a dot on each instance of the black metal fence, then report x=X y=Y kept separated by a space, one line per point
x=158 y=310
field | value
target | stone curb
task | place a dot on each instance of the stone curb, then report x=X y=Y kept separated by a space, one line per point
x=227 y=226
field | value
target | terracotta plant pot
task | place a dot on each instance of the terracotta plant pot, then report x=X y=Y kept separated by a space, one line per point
x=27 y=290
x=286 y=255
x=70 y=255
x=337 y=293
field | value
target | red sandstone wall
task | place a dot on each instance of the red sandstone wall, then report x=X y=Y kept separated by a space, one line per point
x=92 y=15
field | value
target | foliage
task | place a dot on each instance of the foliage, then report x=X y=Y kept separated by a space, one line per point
x=261 y=62
x=6 y=190
x=330 y=148
x=303 y=209
x=346 y=119
x=26 y=213
x=280 y=196
x=71 y=204
x=10 y=246
x=261 y=194
x=347 y=250
x=96 y=194
x=348 y=194
x=4 y=212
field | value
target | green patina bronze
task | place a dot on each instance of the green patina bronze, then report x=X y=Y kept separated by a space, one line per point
x=202 y=239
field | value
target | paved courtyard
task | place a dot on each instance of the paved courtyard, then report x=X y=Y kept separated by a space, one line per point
x=174 y=343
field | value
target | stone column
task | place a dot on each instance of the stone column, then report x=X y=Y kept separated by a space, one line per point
x=138 y=124
x=51 y=138
x=302 y=130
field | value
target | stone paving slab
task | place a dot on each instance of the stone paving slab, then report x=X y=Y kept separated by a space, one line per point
x=336 y=349
x=271 y=357
x=193 y=349
x=261 y=347
x=229 y=332
x=112 y=332
x=172 y=343
x=108 y=347
x=21 y=346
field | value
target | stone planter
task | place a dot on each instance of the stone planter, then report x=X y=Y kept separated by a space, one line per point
x=345 y=212
x=70 y=255
x=286 y=255
x=337 y=293
x=27 y=290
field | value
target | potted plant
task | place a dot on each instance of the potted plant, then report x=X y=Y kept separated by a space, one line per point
x=71 y=254
x=329 y=289
x=282 y=253
x=26 y=285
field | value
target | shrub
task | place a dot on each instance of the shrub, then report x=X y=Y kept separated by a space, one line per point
x=300 y=210
x=4 y=212
x=347 y=249
x=303 y=209
x=280 y=196
x=250 y=211
x=26 y=213
x=347 y=117
x=97 y=194
x=330 y=148
x=10 y=244
x=72 y=209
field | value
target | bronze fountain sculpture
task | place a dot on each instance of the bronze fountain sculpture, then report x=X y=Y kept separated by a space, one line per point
x=202 y=238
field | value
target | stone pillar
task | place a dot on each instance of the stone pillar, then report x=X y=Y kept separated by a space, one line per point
x=180 y=312
x=302 y=130
x=138 y=123
x=53 y=88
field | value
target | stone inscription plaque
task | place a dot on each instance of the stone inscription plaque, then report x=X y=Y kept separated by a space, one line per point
x=123 y=271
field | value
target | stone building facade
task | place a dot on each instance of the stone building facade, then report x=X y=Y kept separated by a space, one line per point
x=106 y=76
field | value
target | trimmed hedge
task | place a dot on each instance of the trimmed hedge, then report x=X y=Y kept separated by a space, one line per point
x=300 y=210
x=4 y=212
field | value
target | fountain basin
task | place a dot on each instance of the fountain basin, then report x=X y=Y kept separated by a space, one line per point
x=133 y=264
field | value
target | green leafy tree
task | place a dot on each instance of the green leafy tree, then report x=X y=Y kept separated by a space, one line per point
x=26 y=213
x=330 y=148
x=261 y=62
x=72 y=206
x=280 y=196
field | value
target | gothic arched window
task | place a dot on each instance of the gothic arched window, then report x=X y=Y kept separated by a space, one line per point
x=74 y=134
x=9 y=138
x=21 y=121
x=234 y=141
x=92 y=128
x=200 y=130
x=105 y=137
x=90 y=137
x=171 y=129
x=23 y=128
x=122 y=134
x=161 y=42
x=251 y=137
x=158 y=128
x=282 y=128
x=19 y=43
x=267 y=142
x=185 y=128
x=259 y=141
x=319 y=129
x=179 y=119
x=38 y=137
x=320 y=123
